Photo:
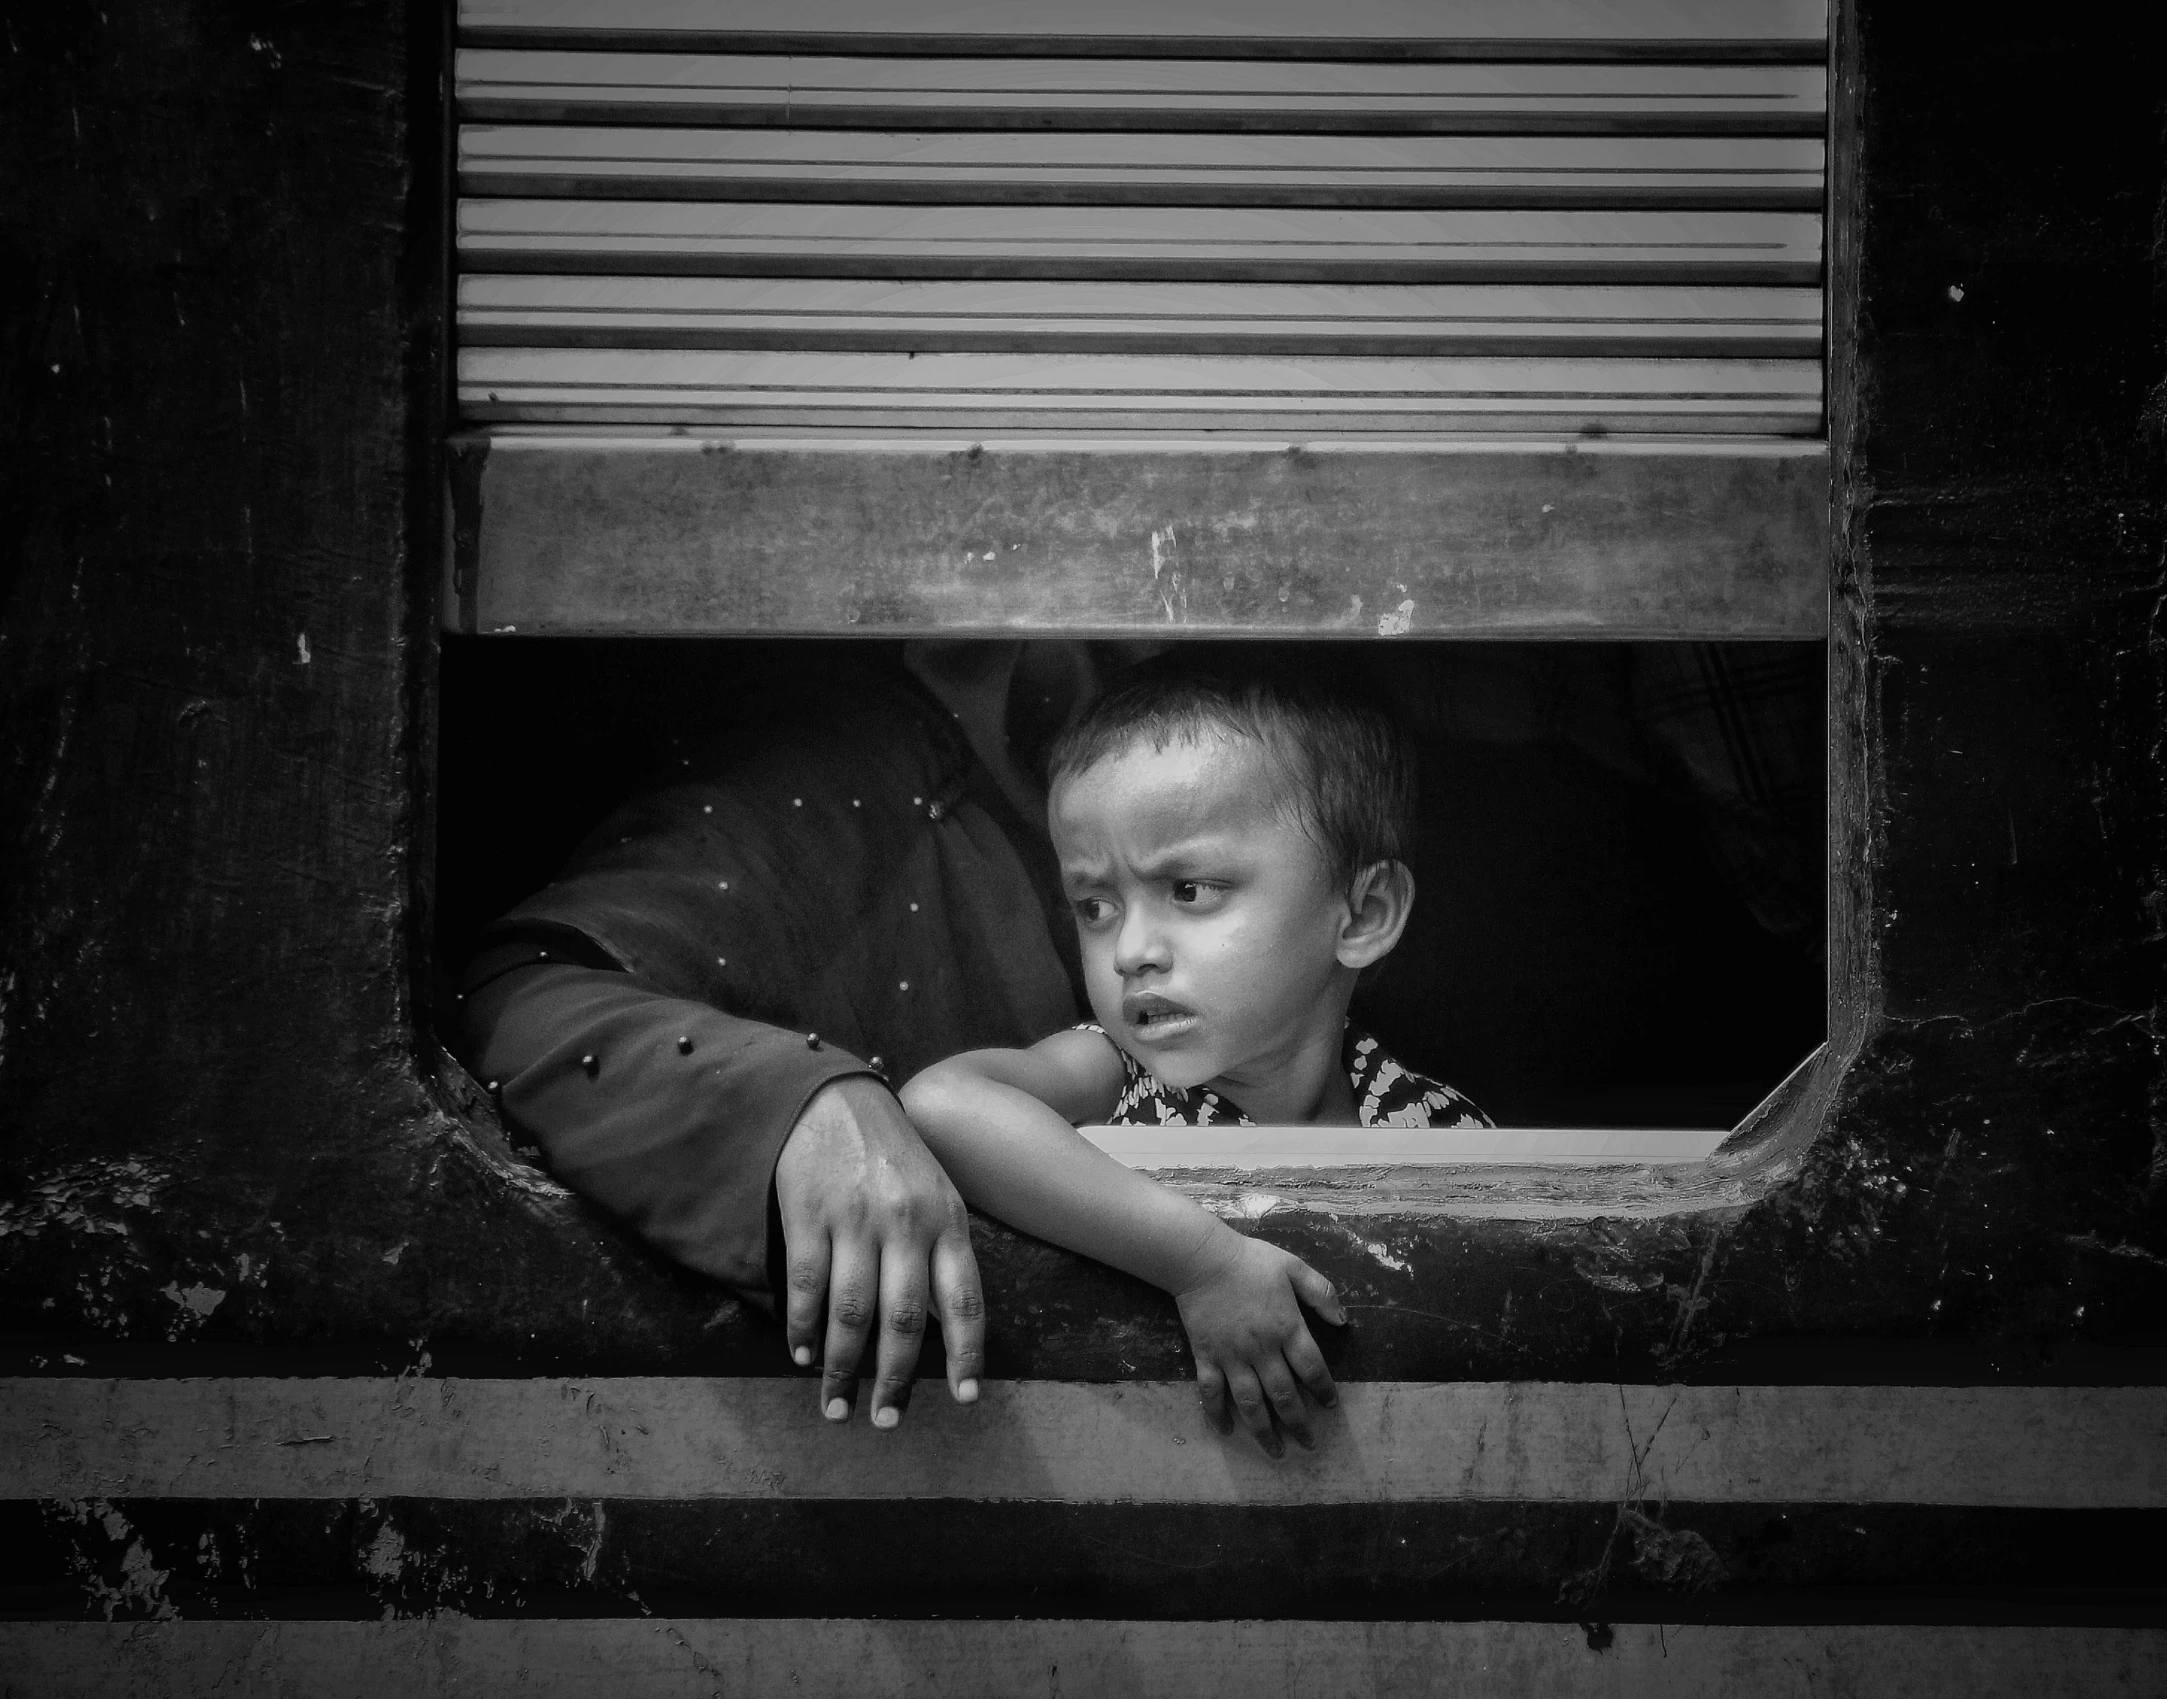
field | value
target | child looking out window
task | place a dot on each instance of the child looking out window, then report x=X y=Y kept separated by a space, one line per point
x=1231 y=846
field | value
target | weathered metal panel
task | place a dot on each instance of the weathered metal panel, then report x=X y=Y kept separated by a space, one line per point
x=1133 y=1442
x=697 y=1659
x=681 y=535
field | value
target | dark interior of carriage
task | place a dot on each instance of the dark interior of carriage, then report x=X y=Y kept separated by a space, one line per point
x=1621 y=858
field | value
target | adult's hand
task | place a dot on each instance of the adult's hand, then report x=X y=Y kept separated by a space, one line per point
x=874 y=1235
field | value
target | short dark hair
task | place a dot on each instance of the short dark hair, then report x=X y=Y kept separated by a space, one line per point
x=1345 y=766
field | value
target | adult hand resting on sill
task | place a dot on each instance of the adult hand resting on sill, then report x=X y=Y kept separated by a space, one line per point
x=696 y=1018
x=875 y=1233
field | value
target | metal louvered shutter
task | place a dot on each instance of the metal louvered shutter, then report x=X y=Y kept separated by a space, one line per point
x=1494 y=225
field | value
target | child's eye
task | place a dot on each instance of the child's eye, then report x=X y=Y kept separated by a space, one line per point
x=1192 y=892
x=1090 y=911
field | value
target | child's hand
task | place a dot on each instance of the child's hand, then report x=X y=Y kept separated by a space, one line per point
x=1251 y=1343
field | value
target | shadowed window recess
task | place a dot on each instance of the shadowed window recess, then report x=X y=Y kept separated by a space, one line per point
x=1619 y=857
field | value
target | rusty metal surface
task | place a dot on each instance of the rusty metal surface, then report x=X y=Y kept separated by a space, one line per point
x=663 y=535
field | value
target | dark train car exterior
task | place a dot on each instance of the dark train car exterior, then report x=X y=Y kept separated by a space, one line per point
x=311 y=1385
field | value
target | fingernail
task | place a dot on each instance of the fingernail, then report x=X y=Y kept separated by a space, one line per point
x=1329 y=1400
x=838 y=1409
x=966 y=1392
x=887 y=1416
x=802 y=1356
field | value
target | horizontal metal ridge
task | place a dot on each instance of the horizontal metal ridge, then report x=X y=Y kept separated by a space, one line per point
x=1735 y=30
x=1128 y=168
x=863 y=92
x=1131 y=1441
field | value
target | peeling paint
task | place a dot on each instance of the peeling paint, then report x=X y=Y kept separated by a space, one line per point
x=1397 y=622
x=140 y=1590
x=384 y=1558
x=1382 y=1254
x=1167 y=575
x=85 y=1197
x=198 y=1300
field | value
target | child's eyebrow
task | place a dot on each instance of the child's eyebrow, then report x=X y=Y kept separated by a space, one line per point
x=1187 y=856
x=1074 y=878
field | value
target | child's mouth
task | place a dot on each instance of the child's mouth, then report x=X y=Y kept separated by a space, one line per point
x=1155 y=1020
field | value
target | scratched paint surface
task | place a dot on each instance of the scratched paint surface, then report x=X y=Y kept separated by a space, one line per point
x=967 y=1660
x=680 y=535
x=1139 y=1442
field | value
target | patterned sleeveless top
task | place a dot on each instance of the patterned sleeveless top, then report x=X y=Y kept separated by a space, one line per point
x=1385 y=1094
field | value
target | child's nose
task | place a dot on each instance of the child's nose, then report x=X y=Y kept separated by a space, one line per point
x=1140 y=945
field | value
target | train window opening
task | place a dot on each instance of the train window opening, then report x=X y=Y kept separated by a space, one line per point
x=1490 y=337
x=1619 y=859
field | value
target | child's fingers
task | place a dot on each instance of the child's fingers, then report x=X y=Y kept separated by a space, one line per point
x=1318 y=1293
x=1286 y=1400
x=1255 y=1410
x=805 y=1291
x=1307 y=1362
x=1211 y=1393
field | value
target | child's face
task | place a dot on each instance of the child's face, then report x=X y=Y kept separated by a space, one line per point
x=1210 y=928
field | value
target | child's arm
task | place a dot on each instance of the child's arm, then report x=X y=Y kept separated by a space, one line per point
x=999 y=1121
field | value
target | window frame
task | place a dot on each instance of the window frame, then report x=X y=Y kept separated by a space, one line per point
x=1769 y=1145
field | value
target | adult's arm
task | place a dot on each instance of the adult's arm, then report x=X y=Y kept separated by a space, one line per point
x=686 y=1121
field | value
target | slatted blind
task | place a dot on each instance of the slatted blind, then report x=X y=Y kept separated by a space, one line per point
x=1376 y=218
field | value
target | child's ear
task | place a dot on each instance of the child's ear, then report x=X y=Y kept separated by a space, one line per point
x=1378 y=904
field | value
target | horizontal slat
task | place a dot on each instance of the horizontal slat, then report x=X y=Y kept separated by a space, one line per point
x=677 y=534
x=1198 y=318
x=548 y=87
x=1081 y=392
x=1236 y=244
x=1388 y=28
x=1739 y=172
x=1221 y=1148
x=454 y=1656
x=1139 y=1442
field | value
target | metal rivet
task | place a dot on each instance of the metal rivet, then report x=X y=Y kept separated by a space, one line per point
x=707 y=808
x=902 y=985
x=913 y=908
x=917 y=802
x=812 y=1041
x=722 y=884
x=878 y=1066
x=934 y=811
x=797 y=802
x=592 y=1063
x=684 y=1046
x=854 y=802
x=542 y=955
x=722 y=961
x=492 y=1086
